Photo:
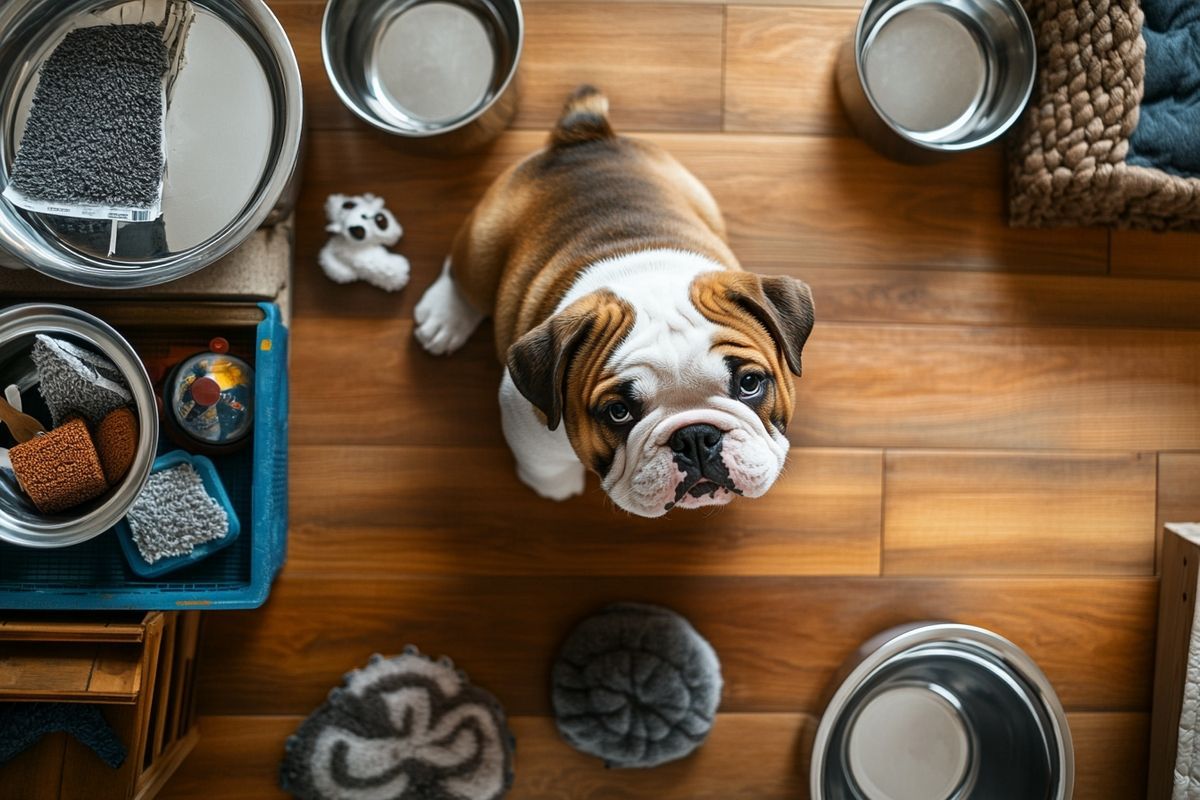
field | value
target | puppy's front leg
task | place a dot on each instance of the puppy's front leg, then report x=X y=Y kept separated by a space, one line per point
x=546 y=461
x=444 y=319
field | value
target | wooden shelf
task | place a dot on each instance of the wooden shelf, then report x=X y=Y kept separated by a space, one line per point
x=140 y=668
x=50 y=630
x=71 y=673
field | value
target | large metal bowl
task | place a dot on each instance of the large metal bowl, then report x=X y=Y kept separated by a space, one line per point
x=437 y=72
x=938 y=711
x=234 y=130
x=20 y=522
x=923 y=79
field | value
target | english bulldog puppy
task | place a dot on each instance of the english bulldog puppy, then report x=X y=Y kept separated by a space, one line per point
x=634 y=344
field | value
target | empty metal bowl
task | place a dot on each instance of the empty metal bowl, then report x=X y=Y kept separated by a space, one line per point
x=921 y=79
x=441 y=72
x=234 y=124
x=20 y=522
x=938 y=711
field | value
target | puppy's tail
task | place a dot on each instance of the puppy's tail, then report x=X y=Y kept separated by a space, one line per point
x=584 y=119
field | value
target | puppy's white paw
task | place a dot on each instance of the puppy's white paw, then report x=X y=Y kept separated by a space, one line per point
x=559 y=485
x=444 y=318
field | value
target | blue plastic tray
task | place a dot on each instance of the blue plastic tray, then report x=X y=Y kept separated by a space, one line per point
x=96 y=574
x=216 y=490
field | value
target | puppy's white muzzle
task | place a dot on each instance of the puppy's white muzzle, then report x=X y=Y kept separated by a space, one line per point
x=649 y=477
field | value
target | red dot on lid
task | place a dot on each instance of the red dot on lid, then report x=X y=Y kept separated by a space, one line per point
x=219 y=344
x=206 y=391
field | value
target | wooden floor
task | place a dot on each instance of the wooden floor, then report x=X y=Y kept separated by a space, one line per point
x=992 y=425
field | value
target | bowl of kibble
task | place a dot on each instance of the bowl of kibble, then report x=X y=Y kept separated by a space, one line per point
x=80 y=426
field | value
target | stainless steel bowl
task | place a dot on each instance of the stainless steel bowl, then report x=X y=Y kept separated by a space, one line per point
x=20 y=522
x=234 y=130
x=921 y=79
x=939 y=711
x=440 y=72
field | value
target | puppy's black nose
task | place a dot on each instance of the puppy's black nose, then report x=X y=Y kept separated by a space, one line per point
x=697 y=444
x=358 y=232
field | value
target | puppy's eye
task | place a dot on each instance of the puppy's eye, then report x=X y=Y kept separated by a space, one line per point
x=750 y=385
x=349 y=204
x=618 y=413
x=381 y=221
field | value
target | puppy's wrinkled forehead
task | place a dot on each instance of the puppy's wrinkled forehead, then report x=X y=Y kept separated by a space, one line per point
x=746 y=342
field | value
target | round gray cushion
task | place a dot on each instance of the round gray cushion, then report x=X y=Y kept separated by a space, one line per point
x=636 y=686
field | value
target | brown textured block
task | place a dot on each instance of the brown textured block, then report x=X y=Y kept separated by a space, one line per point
x=116 y=442
x=61 y=469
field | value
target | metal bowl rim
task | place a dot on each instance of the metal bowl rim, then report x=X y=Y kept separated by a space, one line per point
x=884 y=647
x=350 y=100
x=31 y=318
x=1025 y=27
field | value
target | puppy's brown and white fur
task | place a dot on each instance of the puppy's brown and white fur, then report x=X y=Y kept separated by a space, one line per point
x=634 y=344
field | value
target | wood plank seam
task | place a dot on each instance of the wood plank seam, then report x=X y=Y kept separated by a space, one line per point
x=724 y=61
x=1158 y=555
x=883 y=494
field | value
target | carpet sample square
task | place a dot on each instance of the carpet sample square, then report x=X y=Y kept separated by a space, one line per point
x=95 y=133
x=174 y=514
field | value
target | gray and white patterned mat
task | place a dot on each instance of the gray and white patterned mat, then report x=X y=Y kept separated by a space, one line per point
x=403 y=728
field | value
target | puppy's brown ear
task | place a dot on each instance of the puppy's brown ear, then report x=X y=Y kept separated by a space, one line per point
x=781 y=304
x=539 y=361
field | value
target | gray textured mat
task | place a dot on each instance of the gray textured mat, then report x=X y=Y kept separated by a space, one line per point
x=95 y=130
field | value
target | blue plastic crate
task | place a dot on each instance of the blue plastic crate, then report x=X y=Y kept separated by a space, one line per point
x=96 y=575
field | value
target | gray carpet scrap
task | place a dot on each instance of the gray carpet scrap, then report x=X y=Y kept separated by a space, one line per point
x=94 y=136
x=174 y=514
x=75 y=380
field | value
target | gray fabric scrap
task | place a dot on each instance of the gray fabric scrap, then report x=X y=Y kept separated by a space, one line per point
x=75 y=380
x=95 y=129
x=174 y=514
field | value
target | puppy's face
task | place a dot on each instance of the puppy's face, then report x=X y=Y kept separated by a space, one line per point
x=362 y=219
x=675 y=398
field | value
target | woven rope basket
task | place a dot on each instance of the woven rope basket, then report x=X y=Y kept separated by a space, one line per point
x=1067 y=158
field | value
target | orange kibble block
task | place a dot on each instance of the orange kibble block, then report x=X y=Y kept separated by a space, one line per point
x=116 y=441
x=61 y=469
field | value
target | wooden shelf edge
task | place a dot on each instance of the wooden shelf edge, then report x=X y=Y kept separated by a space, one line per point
x=1179 y=568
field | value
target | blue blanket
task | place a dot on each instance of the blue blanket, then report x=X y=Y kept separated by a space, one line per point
x=23 y=724
x=1168 y=133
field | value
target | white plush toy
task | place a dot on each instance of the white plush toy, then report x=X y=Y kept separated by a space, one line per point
x=362 y=231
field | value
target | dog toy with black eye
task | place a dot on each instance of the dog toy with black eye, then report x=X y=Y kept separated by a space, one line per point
x=362 y=231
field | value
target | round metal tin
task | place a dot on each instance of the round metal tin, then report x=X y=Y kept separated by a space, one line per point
x=20 y=523
x=233 y=139
x=939 y=711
